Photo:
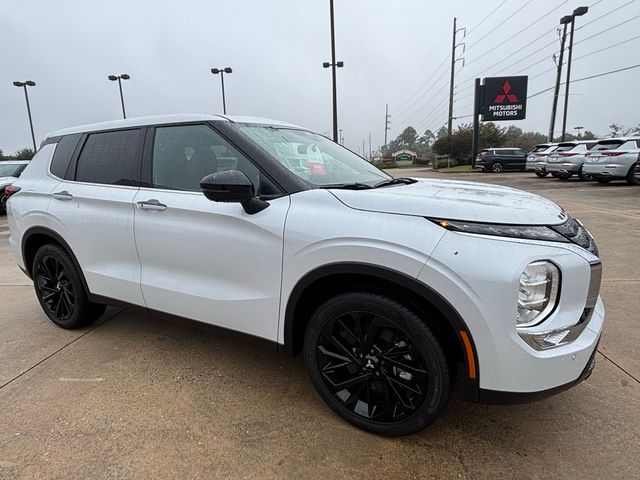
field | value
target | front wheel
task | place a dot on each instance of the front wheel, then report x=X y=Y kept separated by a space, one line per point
x=3 y=204
x=376 y=364
x=496 y=167
x=542 y=174
x=60 y=290
x=603 y=180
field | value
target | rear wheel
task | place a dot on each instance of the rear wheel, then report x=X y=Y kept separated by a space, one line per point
x=564 y=176
x=376 y=364
x=60 y=290
x=603 y=180
x=496 y=167
x=3 y=204
x=542 y=174
x=555 y=175
x=633 y=177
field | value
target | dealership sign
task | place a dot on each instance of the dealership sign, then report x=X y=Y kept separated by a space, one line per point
x=504 y=98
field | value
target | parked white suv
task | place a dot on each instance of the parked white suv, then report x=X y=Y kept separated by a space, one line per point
x=537 y=158
x=614 y=159
x=386 y=285
x=568 y=158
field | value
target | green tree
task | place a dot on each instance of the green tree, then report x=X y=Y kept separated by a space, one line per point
x=589 y=135
x=442 y=133
x=491 y=135
x=24 y=154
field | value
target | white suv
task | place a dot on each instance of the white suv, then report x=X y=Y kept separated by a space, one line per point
x=568 y=159
x=386 y=285
x=614 y=159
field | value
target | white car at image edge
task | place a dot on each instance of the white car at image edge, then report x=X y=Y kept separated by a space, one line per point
x=392 y=289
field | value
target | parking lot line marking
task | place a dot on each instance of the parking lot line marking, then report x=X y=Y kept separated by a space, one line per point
x=619 y=367
x=615 y=280
x=60 y=349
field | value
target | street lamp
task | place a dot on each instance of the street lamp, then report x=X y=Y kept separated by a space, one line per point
x=222 y=71
x=24 y=85
x=578 y=12
x=333 y=64
x=119 y=78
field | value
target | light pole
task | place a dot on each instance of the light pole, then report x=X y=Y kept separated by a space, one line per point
x=24 y=85
x=554 y=108
x=333 y=64
x=119 y=78
x=578 y=12
x=222 y=71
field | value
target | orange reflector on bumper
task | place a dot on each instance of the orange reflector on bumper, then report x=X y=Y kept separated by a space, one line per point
x=471 y=359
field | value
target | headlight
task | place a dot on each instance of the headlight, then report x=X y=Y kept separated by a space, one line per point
x=537 y=293
x=532 y=232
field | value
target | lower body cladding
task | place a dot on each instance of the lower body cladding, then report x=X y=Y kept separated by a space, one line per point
x=481 y=277
x=607 y=170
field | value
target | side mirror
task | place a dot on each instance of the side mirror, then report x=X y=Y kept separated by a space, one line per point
x=232 y=186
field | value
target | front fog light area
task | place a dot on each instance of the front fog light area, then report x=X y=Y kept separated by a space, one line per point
x=537 y=293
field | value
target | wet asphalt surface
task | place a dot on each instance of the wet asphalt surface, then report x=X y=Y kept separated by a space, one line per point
x=136 y=397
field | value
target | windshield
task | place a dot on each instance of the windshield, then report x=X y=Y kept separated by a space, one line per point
x=10 y=169
x=314 y=158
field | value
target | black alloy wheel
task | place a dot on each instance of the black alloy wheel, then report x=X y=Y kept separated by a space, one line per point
x=603 y=179
x=542 y=174
x=376 y=364
x=56 y=288
x=3 y=204
x=60 y=290
x=633 y=176
x=496 y=167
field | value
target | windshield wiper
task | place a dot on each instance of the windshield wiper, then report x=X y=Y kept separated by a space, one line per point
x=395 y=181
x=348 y=186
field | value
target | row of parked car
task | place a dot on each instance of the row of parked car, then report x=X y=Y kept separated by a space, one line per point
x=600 y=160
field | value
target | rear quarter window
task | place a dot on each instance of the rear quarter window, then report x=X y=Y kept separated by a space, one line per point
x=62 y=155
x=111 y=158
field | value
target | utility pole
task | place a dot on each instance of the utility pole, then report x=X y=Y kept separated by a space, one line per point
x=554 y=108
x=576 y=13
x=454 y=46
x=386 y=124
x=369 y=158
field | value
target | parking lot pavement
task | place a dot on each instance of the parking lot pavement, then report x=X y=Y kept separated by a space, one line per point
x=134 y=397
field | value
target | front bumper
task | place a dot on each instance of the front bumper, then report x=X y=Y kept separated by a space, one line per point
x=483 y=270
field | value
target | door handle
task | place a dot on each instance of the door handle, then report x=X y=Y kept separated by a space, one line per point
x=152 y=204
x=63 y=195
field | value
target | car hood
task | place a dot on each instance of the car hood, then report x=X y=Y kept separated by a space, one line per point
x=456 y=200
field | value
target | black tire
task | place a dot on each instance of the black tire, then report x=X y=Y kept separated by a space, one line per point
x=585 y=177
x=542 y=174
x=603 y=180
x=60 y=290
x=3 y=204
x=357 y=338
x=564 y=176
x=555 y=175
x=633 y=176
x=496 y=167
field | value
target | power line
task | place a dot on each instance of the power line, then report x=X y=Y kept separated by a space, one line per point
x=587 y=78
x=518 y=33
x=495 y=29
x=606 y=30
x=485 y=18
x=434 y=95
x=402 y=107
x=604 y=15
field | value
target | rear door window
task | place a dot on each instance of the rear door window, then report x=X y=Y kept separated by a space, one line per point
x=111 y=158
x=539 y=148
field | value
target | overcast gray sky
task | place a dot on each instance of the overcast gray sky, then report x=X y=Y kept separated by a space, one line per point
x=391 y=50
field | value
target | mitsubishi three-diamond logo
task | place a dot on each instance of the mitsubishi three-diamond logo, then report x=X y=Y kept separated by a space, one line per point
x=506 y=88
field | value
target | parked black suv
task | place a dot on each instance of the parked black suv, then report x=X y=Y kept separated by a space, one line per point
x=498 y=159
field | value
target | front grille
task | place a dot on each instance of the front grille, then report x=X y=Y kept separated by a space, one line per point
x=575 y=232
